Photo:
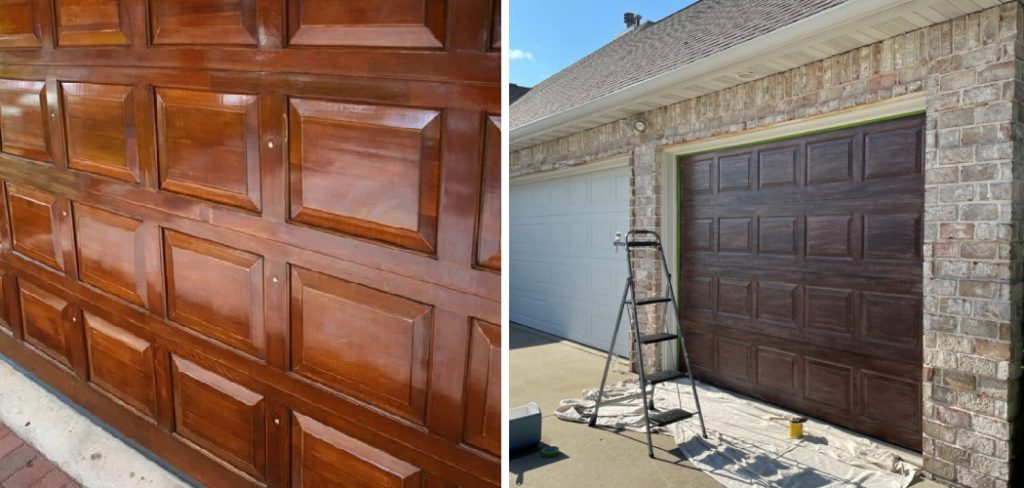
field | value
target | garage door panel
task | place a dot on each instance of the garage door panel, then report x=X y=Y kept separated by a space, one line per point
x=565 y=277
x=169 y=220
x=808 y=289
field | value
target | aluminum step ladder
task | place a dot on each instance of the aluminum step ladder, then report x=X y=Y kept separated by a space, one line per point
x=644 y=240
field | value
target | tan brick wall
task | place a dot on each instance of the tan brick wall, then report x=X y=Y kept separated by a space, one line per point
x=970 y=68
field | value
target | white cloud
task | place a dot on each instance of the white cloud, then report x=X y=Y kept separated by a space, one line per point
x=519 y=54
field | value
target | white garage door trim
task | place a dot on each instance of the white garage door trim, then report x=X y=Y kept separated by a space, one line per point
x=616 y=268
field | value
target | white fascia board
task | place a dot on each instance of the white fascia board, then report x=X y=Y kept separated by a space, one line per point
x=844 y=14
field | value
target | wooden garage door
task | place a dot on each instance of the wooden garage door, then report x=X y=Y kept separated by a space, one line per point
x=261 y=237
x=801 y=265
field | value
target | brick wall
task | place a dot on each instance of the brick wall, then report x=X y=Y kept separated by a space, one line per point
x=971 y=70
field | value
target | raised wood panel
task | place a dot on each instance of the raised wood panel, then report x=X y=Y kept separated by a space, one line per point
x=734 y=234
x=733 y=358
x=890 y=318
x=221 y=416
x=121 y=273
x=884 y=398
x=892 y=236
x=489 y=240
x=777 y=167
x=216 y=291
x=778 y=302
x=778 y=235
x=483 y=390
x=367 y=170
x=734 y=297
x=100 y=127
x=91 y=23
x=396 y=23
x=885 y=153
x=829 y=383
x=44 y=324
x=701 y=349
x=23 y=124
x=829 y=308
x=209 y=146
x=734 y=172
x=829 y=161
x=697 y=176
x=122 y=364
x=777 y=369
x=360 y=341
x=699 y=234
x=496 y=25
x=829 y=236
x=204 y=22
x=698 y=293
x=322 y=457
x=19 y=24
x=34 y=225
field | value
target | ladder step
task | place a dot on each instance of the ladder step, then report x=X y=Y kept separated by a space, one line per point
x=643 y=244
x=648 y=301
x=668 y=417
x=663 y=376
x=659 y=337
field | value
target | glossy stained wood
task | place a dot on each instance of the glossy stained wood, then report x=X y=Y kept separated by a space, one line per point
x=262 y=246
x=23 y=126
x=326 y=457
x=398 y=23
x=91 y=22
x=367 y=170
x=100 y=121
x=802 y=262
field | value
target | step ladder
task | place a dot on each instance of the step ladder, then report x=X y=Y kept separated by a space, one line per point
x=644 y=240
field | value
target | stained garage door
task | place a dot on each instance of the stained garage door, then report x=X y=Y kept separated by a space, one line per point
x=801 y=265
x=565 y=277
x=261 y=238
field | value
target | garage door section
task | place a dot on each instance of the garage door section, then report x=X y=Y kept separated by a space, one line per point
x=565 y=278
x=801 y=265
x=261 y=238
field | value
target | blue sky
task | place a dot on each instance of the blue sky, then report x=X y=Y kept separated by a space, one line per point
x=548 y=35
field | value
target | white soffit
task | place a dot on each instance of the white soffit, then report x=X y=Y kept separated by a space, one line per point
x=851 y=25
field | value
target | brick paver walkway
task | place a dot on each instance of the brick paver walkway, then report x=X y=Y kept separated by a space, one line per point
x=21 y=466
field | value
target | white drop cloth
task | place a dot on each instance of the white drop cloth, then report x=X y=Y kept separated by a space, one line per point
x=745 y=447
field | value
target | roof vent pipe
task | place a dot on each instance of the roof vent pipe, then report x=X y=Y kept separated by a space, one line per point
x=631 y=19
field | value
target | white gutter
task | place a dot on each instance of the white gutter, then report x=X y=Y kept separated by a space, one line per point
x=850 y=12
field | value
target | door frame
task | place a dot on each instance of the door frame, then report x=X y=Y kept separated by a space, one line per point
x=897 y=107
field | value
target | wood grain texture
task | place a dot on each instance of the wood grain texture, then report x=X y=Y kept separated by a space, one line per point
x=151 y=153
x=92 y=22
x=489 y=239
x=804 y=289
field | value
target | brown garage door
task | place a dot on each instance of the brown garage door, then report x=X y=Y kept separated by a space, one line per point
x=801 y=265
x=261 y=237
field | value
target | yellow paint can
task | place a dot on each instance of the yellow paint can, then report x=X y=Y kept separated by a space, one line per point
x=796 y=427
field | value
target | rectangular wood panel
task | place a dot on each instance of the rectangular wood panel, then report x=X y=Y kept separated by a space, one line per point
x=23 y=122
x=121 y=273
x=101 y=132
x=489 y=240
x=360 y=341
x=19 y=24
x=34 y=225
x=370 y=171
x=483 y=428
x=46 y=328
x=397 y=23
x=204 y=21
x=122 y=364
x=91 y=22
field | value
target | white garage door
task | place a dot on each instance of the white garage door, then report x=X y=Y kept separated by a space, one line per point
x=566 y=278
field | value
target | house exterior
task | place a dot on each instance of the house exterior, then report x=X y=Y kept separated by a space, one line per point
x=839 y=187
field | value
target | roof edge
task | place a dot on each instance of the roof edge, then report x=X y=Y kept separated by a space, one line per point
x=846 y=13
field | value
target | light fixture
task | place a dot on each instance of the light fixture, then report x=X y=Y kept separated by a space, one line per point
x=640 y=126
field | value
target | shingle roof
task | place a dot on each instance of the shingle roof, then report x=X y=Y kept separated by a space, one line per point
x=693 y=33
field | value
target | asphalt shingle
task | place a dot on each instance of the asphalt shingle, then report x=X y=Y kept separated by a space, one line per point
x=695 y=32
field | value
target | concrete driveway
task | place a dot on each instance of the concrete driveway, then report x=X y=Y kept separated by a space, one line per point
x=545 y=370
